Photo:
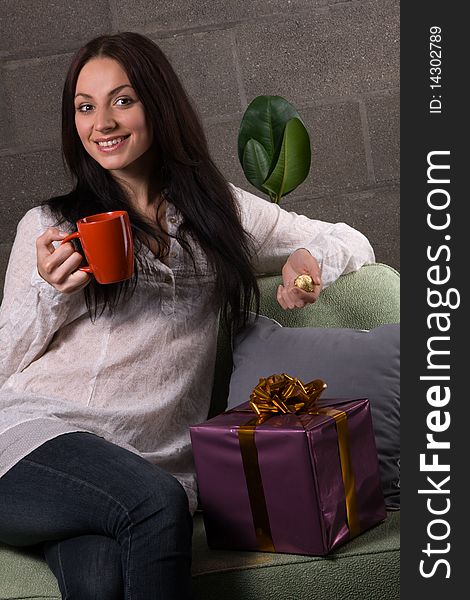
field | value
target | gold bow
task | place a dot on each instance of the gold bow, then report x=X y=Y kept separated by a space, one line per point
x=285 y=394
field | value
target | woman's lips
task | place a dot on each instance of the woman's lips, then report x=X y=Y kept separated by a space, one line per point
x=114 y=147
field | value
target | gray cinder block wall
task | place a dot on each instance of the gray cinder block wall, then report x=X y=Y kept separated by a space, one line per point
x=336 y=61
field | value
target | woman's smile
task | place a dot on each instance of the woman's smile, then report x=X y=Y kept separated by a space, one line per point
x=113 y=144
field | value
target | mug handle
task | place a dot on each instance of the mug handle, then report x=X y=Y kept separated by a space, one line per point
x=86 y=268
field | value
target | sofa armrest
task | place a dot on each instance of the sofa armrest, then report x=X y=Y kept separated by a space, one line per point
x=364 y=299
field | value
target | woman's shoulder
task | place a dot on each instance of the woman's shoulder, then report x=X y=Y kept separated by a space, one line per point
x=250 y=201
x=37 y=219
x=254 y=208
x=241 y=195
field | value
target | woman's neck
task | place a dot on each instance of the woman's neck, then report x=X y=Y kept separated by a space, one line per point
x=141 y=184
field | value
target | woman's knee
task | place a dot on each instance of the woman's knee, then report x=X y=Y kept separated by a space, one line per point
x=166 y=494
x=177 y=499
x=165 y=506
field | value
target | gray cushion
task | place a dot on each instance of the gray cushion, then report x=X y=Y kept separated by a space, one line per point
x=354 y=363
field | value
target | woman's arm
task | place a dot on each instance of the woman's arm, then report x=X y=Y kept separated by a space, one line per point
x=293 y=245
x=338 y=248
x=32 y=310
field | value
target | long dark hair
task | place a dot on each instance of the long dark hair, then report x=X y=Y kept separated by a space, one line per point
x=185 y=171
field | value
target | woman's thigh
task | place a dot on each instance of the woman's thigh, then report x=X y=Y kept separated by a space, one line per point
x=76 y=484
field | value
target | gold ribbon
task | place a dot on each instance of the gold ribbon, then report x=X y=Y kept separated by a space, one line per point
x=283 y=394
x=347 y=471
x=254 y=483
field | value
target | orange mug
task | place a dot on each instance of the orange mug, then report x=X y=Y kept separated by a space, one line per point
x=107 y=242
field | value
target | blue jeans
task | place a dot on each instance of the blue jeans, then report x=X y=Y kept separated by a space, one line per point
x=112 y=526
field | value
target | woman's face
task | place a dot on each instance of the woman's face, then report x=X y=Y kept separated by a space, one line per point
x=109 y=117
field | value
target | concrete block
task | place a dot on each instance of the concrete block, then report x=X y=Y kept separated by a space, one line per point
x=26 y=25
x=34 y=92
x=374 y=212
x=5 y=115
x=204 y=62
x=170 y=15
x=338 y=154
x=222 y=141
x=383 y=116
x=349 y=49
x=28 y=179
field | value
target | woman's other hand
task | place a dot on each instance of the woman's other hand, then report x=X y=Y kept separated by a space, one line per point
x=300 y=262
x=58 y=266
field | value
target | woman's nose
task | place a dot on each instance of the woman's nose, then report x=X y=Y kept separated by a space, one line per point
x=104 y=119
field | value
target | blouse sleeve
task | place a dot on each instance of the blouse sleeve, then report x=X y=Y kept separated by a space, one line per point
x=338 y=248
x=32 y=310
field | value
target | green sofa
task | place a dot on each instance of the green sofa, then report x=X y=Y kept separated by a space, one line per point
x=367 y=568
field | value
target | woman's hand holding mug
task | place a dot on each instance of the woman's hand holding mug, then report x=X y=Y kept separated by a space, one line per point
x=59 y=266
x=107 y=243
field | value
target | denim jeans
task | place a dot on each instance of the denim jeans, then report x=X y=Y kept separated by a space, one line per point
x=112 y=526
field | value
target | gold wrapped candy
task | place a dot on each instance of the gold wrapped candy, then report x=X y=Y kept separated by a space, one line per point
x=305 y=282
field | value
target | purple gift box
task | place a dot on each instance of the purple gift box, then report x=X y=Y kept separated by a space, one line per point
x=293 y=483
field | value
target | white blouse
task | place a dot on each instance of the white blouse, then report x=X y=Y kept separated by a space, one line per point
x=141 y=376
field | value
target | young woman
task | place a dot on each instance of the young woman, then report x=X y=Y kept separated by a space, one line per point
x=100 y=383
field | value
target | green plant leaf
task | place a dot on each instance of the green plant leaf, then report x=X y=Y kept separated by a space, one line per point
x=273 y=146
x=293 y=163
x=264 y=121
x=255 y=163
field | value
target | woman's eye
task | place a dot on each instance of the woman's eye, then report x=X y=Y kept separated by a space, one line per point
x=84 y=108
x=125 y=101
